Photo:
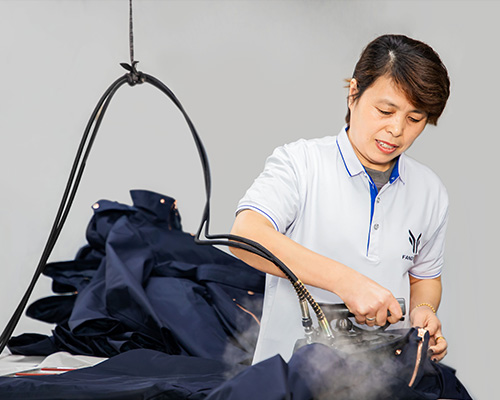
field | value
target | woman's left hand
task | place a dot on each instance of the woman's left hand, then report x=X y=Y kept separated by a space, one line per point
x=424 y=317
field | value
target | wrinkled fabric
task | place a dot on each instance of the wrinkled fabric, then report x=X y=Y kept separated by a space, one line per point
x=139 y=374
x=141 y=282
x=319 y=372
x=315 y=372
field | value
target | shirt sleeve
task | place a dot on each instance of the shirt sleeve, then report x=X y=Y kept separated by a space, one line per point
x=275 y=193
x=430 y=259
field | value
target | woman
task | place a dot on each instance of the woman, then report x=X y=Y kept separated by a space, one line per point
x=353 y=216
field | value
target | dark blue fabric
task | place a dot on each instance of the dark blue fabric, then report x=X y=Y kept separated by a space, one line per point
x=319 y=372
x=53 y=309
x=315 y=372
x=142 y=288
x=73 y=276
x=138 y=374
x=141 y=282
x=267 y=380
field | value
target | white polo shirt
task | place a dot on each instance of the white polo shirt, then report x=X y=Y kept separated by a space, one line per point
x=317 y=193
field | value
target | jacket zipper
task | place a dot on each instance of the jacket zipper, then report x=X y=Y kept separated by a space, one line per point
x=421 y=335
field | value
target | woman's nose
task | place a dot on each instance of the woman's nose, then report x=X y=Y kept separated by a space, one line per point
x=396 y=126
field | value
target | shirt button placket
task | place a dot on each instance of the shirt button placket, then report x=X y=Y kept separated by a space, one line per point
x=376 y=231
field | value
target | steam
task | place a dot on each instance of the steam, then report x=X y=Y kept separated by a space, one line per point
x=375 y=372
x=334 y=374
x=239 y=351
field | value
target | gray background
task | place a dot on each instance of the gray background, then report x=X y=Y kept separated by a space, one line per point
x=252 y=75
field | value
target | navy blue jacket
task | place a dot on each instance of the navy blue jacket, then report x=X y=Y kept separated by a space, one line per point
x=141 y=282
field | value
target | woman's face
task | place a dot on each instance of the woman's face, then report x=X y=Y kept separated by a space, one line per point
x=383 y=123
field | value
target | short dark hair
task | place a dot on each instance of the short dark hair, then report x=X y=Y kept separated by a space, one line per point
x=413 y=65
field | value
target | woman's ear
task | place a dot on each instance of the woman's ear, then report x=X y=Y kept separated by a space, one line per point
x=353 y=91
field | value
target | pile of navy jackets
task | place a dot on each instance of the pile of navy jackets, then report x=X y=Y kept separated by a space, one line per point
x=143 y=283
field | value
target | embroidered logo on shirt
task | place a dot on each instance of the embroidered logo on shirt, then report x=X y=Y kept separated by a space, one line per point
x=414 y=242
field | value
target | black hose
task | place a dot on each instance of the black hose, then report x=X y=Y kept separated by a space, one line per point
x=132 y=78
x=65 y=204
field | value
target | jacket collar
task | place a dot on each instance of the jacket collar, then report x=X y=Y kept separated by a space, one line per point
x=161 y=207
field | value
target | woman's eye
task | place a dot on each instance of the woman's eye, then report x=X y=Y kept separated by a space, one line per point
x=383 y=112
x=414 y=119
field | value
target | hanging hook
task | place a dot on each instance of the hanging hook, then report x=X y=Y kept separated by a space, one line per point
x=134 y=76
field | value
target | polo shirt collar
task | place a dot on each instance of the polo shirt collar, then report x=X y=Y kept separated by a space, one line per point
x=354 y=167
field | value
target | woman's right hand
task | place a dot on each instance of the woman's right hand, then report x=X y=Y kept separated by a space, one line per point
x=367 y=300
